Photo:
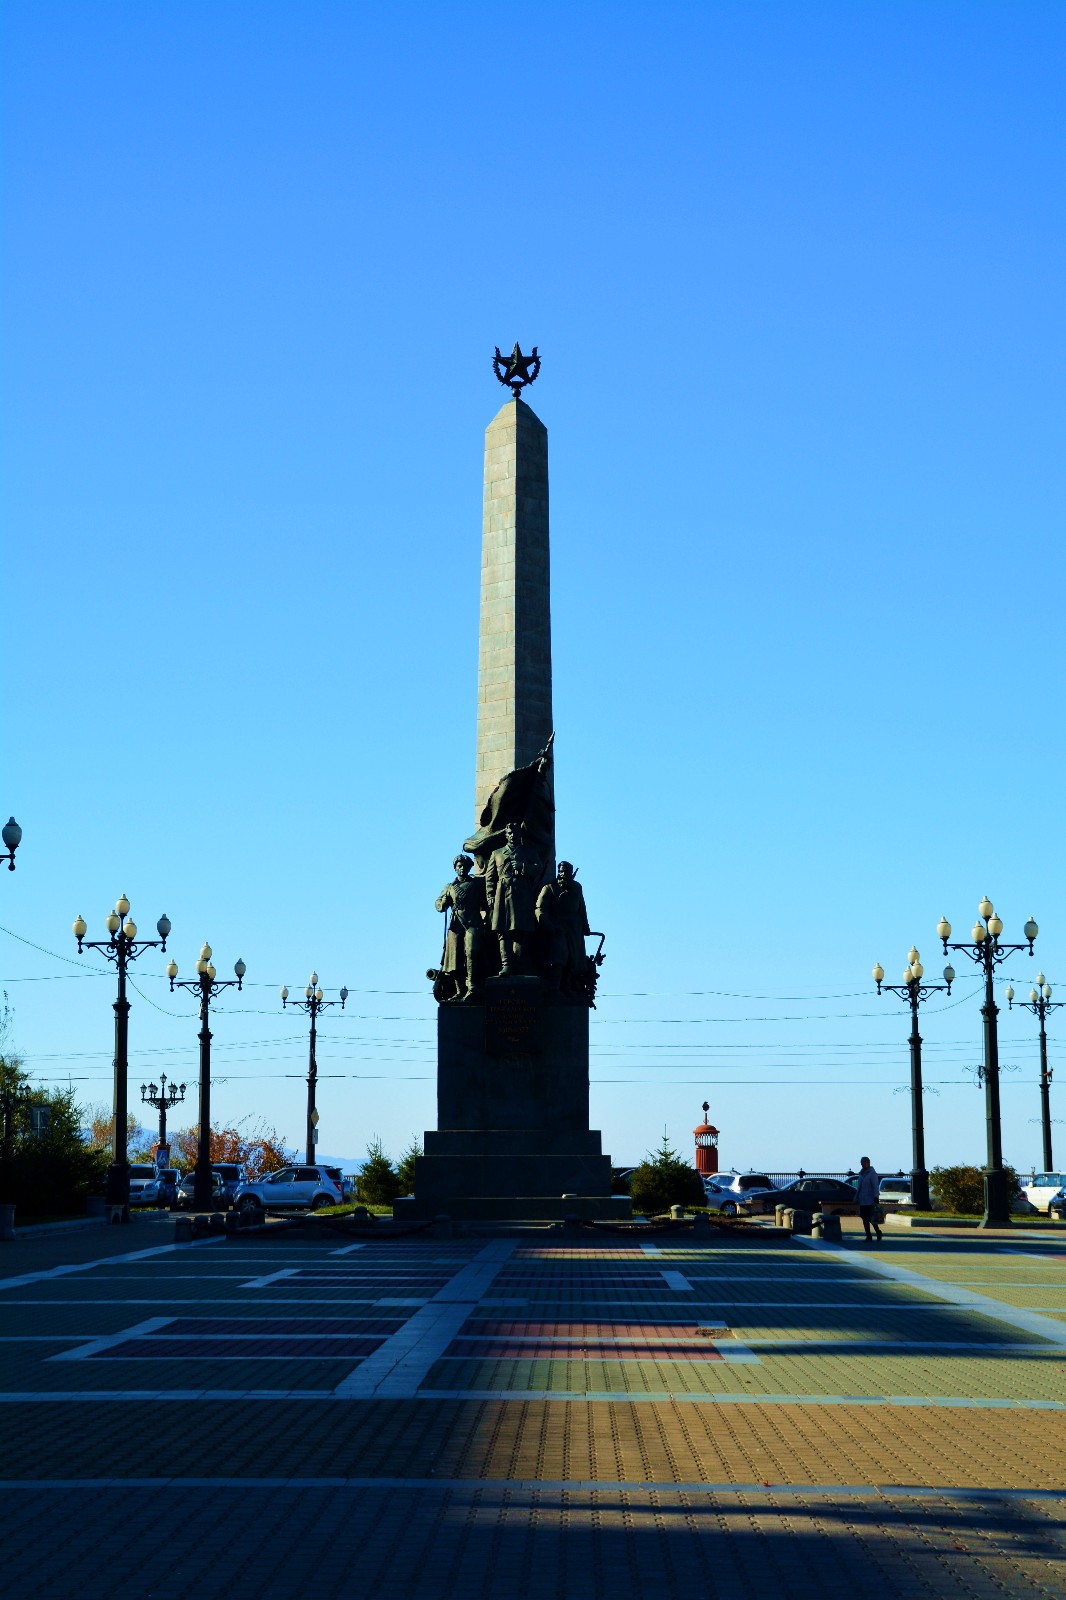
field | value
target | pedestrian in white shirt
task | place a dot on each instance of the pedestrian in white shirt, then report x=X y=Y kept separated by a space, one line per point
x=867 y=1192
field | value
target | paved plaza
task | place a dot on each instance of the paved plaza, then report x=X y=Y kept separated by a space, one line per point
x=525 y=1415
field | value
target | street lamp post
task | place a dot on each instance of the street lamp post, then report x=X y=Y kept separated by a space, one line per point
x=11 y=834
x=1040 y=1003
x=313 y=1002
x=914 y=991
x=985 y=948
x=206 y=985
x=121 y=946
x=163 y=1099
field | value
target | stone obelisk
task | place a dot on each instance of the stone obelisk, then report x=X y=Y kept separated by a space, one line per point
x=512 y=1140
x=514 y=706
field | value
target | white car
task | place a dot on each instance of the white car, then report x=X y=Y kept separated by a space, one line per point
x=291 y=1189
x=1042 y=1187
x=727 y=1192
x=140 y=1178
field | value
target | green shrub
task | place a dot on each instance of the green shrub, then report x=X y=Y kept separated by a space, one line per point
x=663 y=1180
x=962 y=1189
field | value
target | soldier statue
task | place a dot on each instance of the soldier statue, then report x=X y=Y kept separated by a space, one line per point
x=460 y=969
x=512 y=879
x=564 y=923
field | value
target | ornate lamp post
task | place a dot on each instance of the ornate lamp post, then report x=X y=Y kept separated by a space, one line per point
x=206 y=985
x=121 y=946
x=312 y=1002
x=985 y=948
x=914 y=991
x=163 y=1099
x=11 y=834
x=1040 y=1003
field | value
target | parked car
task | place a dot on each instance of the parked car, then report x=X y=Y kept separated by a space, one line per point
x=811 y=1194
x=893 y=1192
x=183 y=1199
x=732 y=1192
x=292 y=1189
x=232 y=1177
x=1042 y=1188
x=1057 y=1206
x=163 y=1189
x=140 y=1177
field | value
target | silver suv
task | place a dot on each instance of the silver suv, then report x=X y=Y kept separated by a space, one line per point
x=728 y=1191
x=291 y=1189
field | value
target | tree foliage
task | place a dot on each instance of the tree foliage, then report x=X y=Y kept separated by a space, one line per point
x=49 y=1173
x=664 y=1179
x=405 y=1167
x=962 y=1189
x=378 y=1183
x=100 y=1131
x=258 y=1150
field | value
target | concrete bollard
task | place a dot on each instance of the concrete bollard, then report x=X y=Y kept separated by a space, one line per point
x=829 y=1226
x=797 y=1220
x=233 y=1223
x=572 y=1227
x=701 y=1223
x=183 y=1230
x=779 y=1214
x=7 y=1222
x=677 y=1213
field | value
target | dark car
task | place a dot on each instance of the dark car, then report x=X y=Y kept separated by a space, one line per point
x=1057 y=1206
x=811 y=1194
x=232 y=1177
x=184 y=1198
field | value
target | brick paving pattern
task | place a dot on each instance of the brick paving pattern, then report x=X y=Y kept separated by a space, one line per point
x=521 y=1417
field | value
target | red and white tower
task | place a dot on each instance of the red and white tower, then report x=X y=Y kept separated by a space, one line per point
x=706 y=1146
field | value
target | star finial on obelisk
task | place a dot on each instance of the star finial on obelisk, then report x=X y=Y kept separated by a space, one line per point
x=514 y=370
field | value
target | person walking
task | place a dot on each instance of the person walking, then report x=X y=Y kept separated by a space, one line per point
x=867 y=1192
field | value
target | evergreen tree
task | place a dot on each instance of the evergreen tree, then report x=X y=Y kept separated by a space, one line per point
x=377 y=1184
x=663 y=1180
x=405 y=1167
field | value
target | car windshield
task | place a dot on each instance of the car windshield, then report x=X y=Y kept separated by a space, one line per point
x=755 y=1180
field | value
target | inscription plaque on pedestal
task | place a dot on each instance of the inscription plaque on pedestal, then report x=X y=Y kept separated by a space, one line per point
x=512 y=1018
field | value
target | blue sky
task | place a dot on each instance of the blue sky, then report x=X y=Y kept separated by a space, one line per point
x=795 y=273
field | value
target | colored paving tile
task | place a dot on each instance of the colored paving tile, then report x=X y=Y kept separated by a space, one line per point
x=522 y=1421
x=247 y=1348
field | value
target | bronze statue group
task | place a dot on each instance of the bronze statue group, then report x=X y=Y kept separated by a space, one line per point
x=506 y=920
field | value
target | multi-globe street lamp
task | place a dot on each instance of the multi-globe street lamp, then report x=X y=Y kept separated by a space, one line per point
x=207 y=986
x=121 y=946
x=11 y=834
x=313 y=1002
x=914 y=990
x=986 y=949
x=163 y=1100
x=1040 y=1003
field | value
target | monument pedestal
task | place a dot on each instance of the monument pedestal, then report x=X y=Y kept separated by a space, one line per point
x=513 y=1136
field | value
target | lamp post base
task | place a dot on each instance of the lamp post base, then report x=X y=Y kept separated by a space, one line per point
x=920 y=1189
x=997 y=1199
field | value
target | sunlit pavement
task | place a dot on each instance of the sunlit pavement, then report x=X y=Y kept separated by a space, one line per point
x=526 y=1415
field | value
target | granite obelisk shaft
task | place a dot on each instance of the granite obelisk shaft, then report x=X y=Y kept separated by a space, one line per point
x=514 y=711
